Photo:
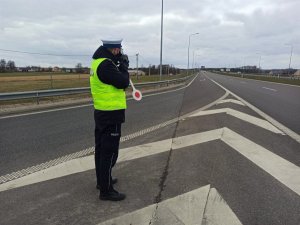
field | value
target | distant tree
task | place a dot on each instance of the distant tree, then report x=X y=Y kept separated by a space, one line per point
x=11 y=66
x=79 y=68
x=2 y=65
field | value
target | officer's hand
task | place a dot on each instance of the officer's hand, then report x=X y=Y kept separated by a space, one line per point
x=124 y=62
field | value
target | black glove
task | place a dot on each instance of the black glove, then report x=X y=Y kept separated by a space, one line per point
x=124 y=62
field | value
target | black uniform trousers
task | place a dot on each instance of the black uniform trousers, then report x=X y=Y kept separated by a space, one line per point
x=107 y=139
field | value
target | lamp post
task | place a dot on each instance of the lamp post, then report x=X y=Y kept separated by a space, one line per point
x=198 y=62
x=193 y=65
x=188 y=67
x=161 y=37
x=290 y=58
x=258 y=53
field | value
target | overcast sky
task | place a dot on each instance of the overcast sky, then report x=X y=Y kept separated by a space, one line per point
x=232 y=33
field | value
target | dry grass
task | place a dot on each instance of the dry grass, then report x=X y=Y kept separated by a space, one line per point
x=43 y=82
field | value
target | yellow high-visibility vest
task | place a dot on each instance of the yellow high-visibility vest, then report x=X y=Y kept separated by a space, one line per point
x=105 y=97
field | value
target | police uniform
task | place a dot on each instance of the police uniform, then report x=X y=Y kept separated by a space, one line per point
x=109 y=77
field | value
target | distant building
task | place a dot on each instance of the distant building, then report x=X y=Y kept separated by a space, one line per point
x=56 y=69
x=297 y=73
x=133 y=73
x=276 y=72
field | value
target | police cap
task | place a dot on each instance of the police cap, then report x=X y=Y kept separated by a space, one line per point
x=112 y=43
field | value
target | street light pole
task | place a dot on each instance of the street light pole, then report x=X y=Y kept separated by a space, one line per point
x=193 y=65
x=188 y=67
x=161 y=37
x=290 y=59
x=258 y=53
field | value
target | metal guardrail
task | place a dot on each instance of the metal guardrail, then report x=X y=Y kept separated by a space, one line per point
x=59 y=92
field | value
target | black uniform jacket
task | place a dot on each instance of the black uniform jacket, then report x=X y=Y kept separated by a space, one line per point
x=108 y=73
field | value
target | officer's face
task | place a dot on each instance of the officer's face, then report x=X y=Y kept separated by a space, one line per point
x=116 y=51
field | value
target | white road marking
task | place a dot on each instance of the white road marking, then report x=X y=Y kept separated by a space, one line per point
x=86 y=163
x=281 y=169
x=242 y=116
x=231 y=101
x=280 y=126
x=271 y=89
x=88 y=105
x=198 y=138
x=45 y=111
x=284 y=171
x=186 y=209
x=217 y=211
x=197 y=207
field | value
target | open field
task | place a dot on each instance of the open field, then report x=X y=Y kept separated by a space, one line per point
x=57 y=81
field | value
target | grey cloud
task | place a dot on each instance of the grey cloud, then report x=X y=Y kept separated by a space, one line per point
x=230 y=30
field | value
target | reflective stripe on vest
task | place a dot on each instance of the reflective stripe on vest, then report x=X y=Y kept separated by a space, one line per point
x=105 y=97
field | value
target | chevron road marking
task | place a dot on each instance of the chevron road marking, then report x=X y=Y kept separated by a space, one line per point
x=281 y=169
x=217 y=211
x=86 y=163
x=285 y=129
x=243 y=116
x=231 y=101
x=284 y=171
x=203 y=206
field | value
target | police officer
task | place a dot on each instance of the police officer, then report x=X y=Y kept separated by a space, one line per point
x=109 y=77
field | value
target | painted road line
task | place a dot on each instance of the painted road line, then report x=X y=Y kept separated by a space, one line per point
x=86 y=163
x=217 y=211
x=231 y=101
x=284 y=171
x=280 y=126
x=242 y=116
x=271 y=89
x=281 y=169
x=198 y=138
x=185 y=209
x=197 y=207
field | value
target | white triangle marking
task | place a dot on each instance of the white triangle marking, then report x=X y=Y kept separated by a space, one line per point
x=242 y=116
x=218 y=212
x=197 y=207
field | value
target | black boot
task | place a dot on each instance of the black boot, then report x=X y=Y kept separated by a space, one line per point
x=112 y=195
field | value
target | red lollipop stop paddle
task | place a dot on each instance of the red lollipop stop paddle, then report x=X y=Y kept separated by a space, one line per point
x=136 y=94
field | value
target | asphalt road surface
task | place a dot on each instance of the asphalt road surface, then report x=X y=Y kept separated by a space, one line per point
x=280 y=101
x=219 y=163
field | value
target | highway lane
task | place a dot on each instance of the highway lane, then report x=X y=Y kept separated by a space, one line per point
x=237 y=154
x=33 y=139
x=282 y=102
